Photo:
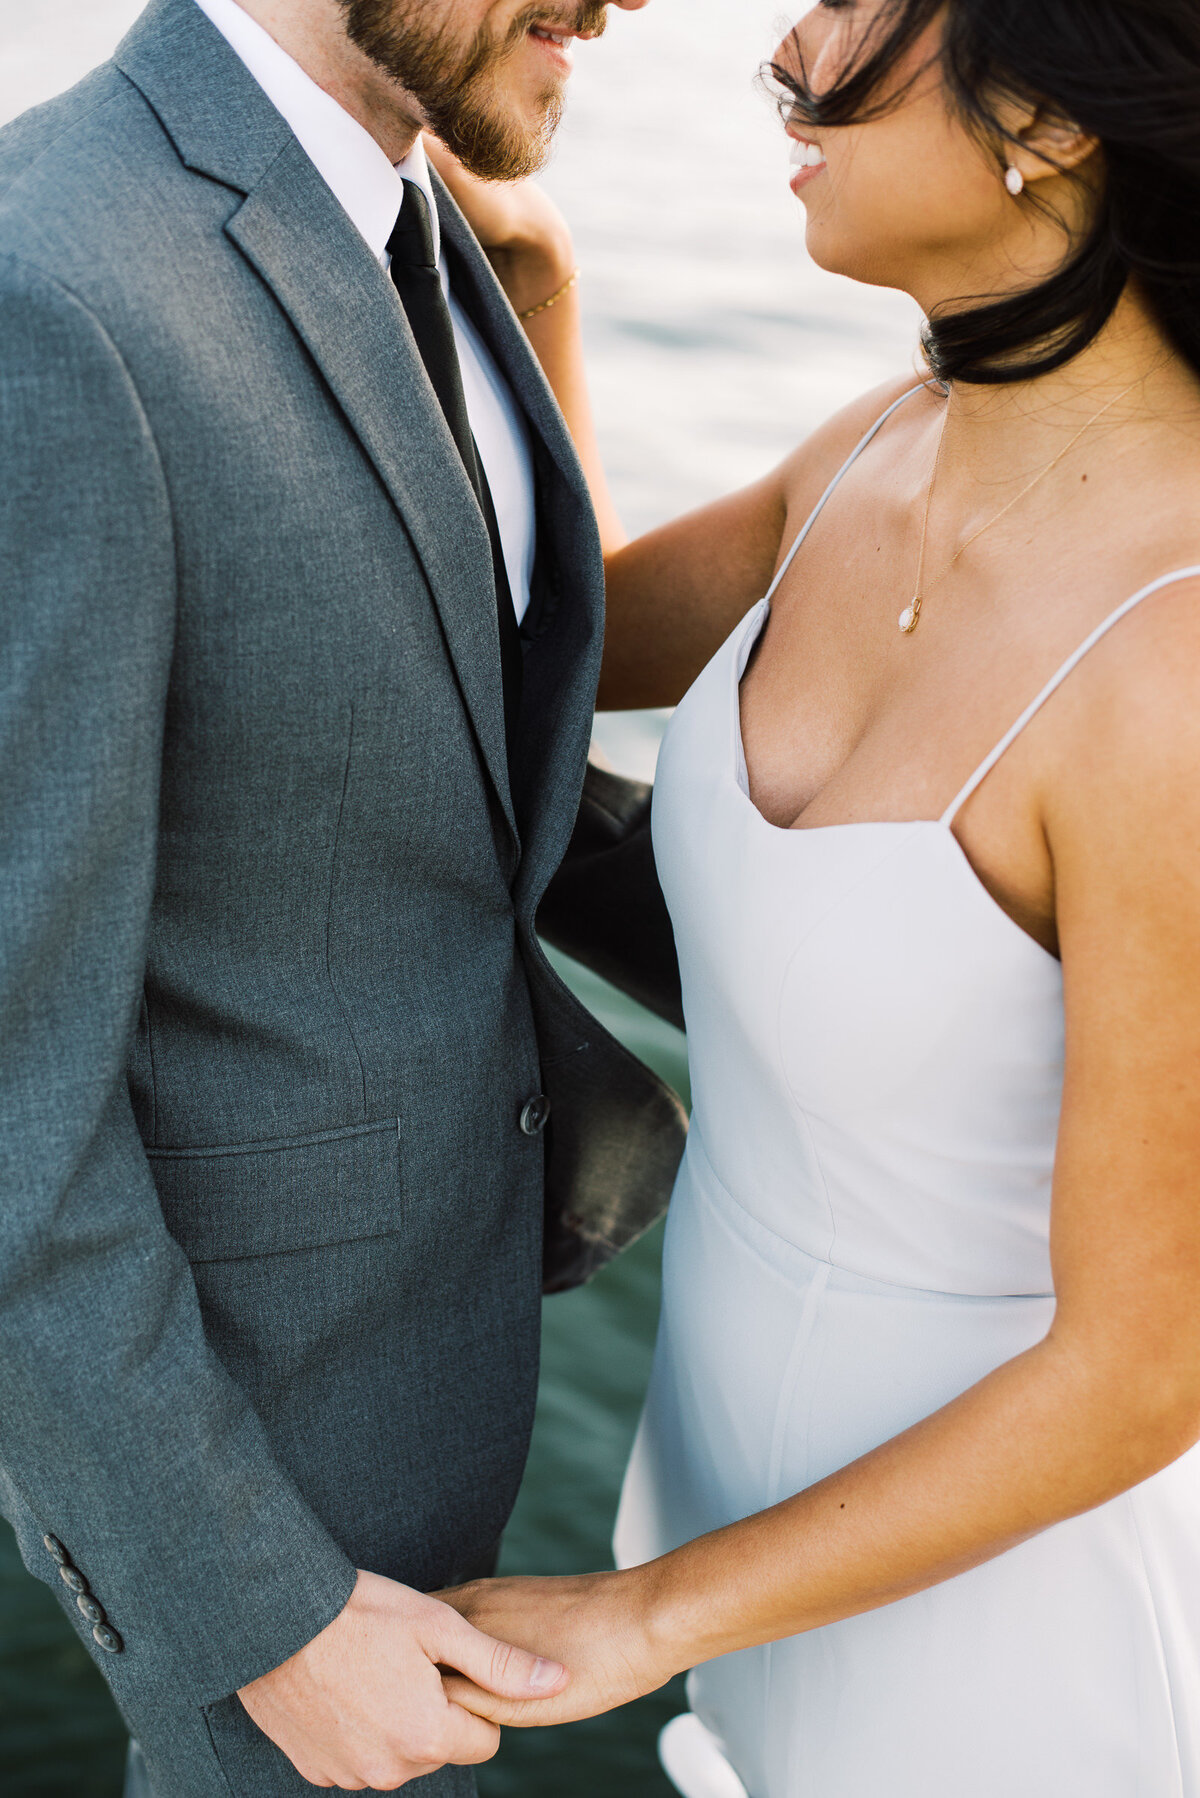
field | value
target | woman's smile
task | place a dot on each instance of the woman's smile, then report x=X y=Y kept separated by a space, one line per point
x=808 y=161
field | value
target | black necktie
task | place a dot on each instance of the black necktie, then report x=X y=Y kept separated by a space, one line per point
x=419 y=284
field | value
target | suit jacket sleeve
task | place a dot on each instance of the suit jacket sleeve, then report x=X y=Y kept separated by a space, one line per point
x=122 y=1434
x=605 y=906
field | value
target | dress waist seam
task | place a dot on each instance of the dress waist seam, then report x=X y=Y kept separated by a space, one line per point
x=696 y=1148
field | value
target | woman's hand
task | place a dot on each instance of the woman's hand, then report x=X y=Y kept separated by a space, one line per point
x=529 y=245
x=527 y=239
x=599 y=1626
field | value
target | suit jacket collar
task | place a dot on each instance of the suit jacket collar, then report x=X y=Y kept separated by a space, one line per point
x=562 y=669
x=209 y=104
x=343 y=306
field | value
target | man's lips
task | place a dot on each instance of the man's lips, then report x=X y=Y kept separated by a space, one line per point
x=556 y=45
x=562 y=34
x=556 y=36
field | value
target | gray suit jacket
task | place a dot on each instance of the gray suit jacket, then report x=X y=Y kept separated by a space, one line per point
x=271 y=999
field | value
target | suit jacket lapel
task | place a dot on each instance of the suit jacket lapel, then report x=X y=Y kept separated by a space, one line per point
x=343 y=306
x=346 y=310
x=506 y=339
x=562 y=668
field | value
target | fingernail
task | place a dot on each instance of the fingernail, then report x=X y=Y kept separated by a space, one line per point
x=545 y=1674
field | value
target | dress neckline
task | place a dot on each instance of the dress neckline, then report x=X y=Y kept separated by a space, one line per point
x=751 y=628
x=741 y=644
x=745 y=634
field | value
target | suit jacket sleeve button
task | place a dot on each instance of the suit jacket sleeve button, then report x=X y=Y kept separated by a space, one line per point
x=71 y=1576
x=55 y=1550
x=108 y=1639
x=536 y=1115
x=91 y=1610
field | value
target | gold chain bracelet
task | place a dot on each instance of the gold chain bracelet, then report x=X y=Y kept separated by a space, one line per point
x=562 y=293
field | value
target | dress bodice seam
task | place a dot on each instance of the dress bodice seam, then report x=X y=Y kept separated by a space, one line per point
x=843 y=1267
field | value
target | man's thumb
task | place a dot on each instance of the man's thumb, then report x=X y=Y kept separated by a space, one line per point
x=498 y=1667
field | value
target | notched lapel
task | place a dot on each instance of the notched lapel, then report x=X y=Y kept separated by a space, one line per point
x=208 y=103
x=342 y=304
x=295 y=234
x=561 y=671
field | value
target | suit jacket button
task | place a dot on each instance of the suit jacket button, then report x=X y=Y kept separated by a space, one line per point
x=91 y=1610
x=71 y=1576
x=55 y=1550
x=536 y=1115
x=108 y=1639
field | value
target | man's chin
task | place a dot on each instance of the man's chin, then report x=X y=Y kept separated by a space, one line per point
x=500 y=143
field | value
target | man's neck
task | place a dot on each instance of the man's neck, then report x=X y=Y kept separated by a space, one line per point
x=313 y=34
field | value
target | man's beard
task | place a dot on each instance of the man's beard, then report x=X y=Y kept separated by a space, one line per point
x=456 y=88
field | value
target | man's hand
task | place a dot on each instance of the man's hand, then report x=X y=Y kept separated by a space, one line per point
x=363 y=1706
x=602 y=1626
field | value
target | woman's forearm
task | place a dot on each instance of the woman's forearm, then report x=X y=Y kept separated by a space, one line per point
x=556 y=338
x=529 y=244
x=1037 y=1442
x=675 y=594
x=1048 y=1436
x=542 y=281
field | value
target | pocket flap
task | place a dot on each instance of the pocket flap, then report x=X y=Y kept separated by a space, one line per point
x=241 y=1199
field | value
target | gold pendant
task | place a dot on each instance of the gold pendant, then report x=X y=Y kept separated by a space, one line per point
x=910 y=617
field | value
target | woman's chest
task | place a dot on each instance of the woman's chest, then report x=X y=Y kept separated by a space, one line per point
x=838 y=724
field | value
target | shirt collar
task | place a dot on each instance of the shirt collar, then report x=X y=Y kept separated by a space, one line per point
x=346 y=156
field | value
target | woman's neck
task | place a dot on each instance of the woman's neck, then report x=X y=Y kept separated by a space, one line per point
x=1131 y=369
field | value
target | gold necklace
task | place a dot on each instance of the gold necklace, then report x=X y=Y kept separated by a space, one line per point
x=910 y=617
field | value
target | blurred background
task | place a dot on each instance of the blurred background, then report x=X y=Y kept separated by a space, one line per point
x=714 y=345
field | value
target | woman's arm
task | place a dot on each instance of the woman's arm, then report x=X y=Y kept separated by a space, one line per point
x=1113 y=1393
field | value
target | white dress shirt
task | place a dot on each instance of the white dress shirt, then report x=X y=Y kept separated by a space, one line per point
x=371 y=192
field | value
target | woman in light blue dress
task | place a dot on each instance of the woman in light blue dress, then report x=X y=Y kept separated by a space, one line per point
x=916 y=1492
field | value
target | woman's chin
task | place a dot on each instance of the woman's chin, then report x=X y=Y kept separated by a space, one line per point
x=837 y=255
x=831 y=252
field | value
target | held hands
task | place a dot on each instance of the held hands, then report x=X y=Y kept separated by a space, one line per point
x=364 y=1704
x=600 y=1626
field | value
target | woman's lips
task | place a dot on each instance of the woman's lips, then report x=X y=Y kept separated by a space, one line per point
x=808 y=161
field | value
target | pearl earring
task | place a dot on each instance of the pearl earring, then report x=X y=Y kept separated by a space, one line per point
x=1014 y=180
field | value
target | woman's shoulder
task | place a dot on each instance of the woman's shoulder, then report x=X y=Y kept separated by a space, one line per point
x=810 y=468
x=1123 y=736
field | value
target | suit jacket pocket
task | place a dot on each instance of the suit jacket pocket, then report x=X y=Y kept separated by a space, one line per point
x=239 y=1199
x=250 y=1761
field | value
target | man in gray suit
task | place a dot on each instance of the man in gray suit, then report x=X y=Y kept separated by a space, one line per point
x=301 y=621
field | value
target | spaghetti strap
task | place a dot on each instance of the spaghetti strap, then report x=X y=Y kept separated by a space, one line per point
x=1051 y=688
x=836 y=482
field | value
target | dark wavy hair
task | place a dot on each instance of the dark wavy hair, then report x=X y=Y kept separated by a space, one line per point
x=1127 y=72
